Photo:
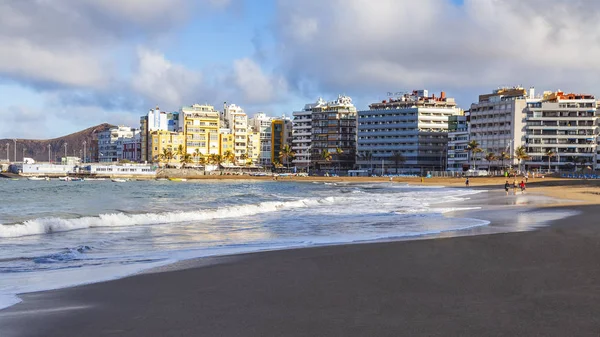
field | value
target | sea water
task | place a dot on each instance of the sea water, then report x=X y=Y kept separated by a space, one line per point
x=56 y=234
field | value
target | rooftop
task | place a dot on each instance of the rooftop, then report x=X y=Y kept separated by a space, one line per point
x=416 y=98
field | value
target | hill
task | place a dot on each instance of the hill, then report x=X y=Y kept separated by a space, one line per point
x=38 y=149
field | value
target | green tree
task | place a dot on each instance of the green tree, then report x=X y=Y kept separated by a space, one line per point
x=228 y=157
x=185 y=159
x=490 y=157
x=167 y=154
x=521 y=154
x=472 y=149
x=286 y=154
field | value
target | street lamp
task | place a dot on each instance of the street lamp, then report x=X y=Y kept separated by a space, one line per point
x=23 y=159
x=49 y=154
x=7 y=149
x=15 y=150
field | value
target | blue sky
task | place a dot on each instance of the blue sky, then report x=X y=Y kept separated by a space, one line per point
x=66 y=65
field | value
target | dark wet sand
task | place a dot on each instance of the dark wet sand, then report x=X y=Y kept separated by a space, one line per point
x=540 y=283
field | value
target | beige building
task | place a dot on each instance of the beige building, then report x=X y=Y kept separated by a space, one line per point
x=253 y=147
x=237 y=121
x=163 y=139
x=200 y=124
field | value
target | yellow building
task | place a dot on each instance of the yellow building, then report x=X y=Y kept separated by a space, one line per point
x=161 y=139
x=254 y=146
x=226 y=141
x=200 y=124
x=281 y=131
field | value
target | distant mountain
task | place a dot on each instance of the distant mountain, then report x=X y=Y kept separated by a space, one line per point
x=38 y=149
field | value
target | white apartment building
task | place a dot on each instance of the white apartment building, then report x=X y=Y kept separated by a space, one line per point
x=497 y=124
x=238 y=123
x=157 y=120
x=458 y=140
x=302 y=133
x=566 y=125
x=262 y=123
x=110 y=142
x=414 y=125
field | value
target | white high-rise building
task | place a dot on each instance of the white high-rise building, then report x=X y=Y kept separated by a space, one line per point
x=262 y=123
x=566 y=125
x=413 y=127
x=302 y=133
x=157 y=120
x=497 y=124
x=237 y=120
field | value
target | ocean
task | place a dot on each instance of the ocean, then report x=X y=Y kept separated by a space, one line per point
x=56 y=234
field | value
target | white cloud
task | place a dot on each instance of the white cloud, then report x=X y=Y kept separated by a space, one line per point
x=254 y=84
x=371 y=47
x=163 y=82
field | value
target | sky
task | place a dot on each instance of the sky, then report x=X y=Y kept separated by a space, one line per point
x=69 y=64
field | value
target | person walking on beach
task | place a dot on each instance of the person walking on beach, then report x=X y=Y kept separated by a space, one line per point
x=506 y=187
x=467 y=182
x=522 y=185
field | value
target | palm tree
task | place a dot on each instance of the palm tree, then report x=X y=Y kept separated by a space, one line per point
x=490 y=157
x=521 y=154
x=398 y=158
x=180 y=151
x=550 y=154
x=472 y=148
x=286 y=154
x=196 y=154
x=167 y=155
x=338 y=155
x=215 y=159
x=325 y=155
x=369 y=157
x=504 y=156
x=186 y=158
x=228 y=157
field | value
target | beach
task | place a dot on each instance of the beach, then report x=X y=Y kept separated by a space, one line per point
x=530 y=283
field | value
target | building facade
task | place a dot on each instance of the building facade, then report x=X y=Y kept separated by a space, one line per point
x=262 y=123
x=155 y=120
x=162 y=140
x=238 y=123
x=302 y=133
x=562 y=131
x=413 y=126
x=458 y=141
x=200 y=125
x=110 y=142
x=497 y=124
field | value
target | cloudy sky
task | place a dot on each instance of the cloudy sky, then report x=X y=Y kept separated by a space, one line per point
x=69 y=64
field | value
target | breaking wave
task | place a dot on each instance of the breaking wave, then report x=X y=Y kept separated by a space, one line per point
x=52 y=225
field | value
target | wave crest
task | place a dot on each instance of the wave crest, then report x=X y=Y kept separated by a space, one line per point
x=51 y=225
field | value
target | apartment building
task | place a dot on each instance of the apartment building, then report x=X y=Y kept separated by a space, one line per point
x=262 y=124
x=226 y=141
x=155 y=120
x=413 y=125
x=323 y=126
x=280 y=136
x=458 y=140
x=200 y=125
x=497 y=124
x=110 y=142
x=302 y=133
x=164 y=139
x=333 y=130
x=237 y=120
x=565 y=125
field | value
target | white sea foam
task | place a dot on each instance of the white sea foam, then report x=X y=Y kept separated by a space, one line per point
x=51 y=225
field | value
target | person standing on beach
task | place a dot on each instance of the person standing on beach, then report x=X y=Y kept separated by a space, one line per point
x=522 y=185
x=467 y=182
x=506 y=187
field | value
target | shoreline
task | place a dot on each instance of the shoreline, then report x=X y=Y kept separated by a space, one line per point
x=33 y=301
